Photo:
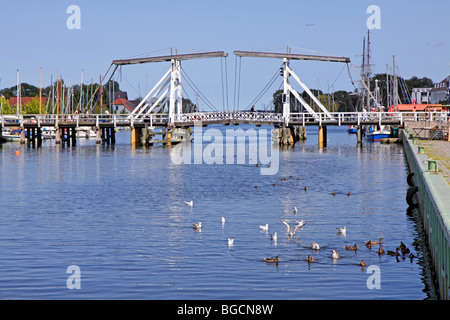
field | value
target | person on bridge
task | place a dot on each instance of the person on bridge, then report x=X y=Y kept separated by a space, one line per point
x=253 y=109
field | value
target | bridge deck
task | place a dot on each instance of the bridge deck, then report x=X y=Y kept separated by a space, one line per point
x=225 y=118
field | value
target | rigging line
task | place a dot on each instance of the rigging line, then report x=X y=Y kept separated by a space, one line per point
x=264 y=90
x=226 y=82
x=337 y=76
x=235 y=82
x=221 y=76
x=239 y=81
x=198 y=90
x=201 y=95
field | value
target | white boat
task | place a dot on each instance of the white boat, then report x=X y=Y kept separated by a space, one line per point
x=10 y=136
x=86 y=132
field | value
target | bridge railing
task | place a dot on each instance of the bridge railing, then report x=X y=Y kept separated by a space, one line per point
x=336 y=118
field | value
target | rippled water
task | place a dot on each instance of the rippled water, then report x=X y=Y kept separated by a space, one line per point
x=118 y=213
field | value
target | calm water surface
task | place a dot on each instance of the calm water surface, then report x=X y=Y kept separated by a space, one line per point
x=119 y=214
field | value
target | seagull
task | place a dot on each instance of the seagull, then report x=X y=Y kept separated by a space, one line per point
x=295 y=210
x=264 y=228
x=315 y=246
x=223 y=220
x=230 y=241
x=191 y=203
x=274 y=236
x=342 y=230
x=290 y=231
x=197 y=226
x=335 y=254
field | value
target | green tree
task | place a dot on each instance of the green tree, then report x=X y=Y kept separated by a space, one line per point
x=6 y=108
x=32 y=107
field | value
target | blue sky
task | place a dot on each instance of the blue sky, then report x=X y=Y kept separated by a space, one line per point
x=34 y=35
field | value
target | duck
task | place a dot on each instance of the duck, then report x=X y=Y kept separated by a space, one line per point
x=333 y=193
x=380 y=250
x=362 y=263
x=370 y=243
x=190 y=203
x=305 y=188
x=354 y=248
x=274 y=236
x=230 y=241
x=197 y=226
x=335 y=254
x=393 y=253
x=311 y=259
x=272 y=260
x=405 y=250
x=315 y=246
x=264 y=228
x=342 y=230
x=411 y=255
x=348 y=194
x=402 y=245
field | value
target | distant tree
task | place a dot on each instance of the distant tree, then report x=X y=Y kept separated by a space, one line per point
x=5 y=107
x=32 y=107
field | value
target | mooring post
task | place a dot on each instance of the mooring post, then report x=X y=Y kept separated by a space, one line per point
x=359 y=135
x=74 y=137
x=322 y=136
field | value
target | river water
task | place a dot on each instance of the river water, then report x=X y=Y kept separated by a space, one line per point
x=118 y=214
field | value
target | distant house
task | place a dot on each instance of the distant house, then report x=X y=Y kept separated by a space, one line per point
x=421 y=95
x=439 y=92
x=24 y=100
x=122 y=105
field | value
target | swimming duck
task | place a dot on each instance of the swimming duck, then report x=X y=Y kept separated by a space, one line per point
x=333 y=193
x=315 y=246
x=404 y=250
x=335 y=254
x=272 y=260
x=370 y=243
x=362 y=263
x=197 y=226
x=305 y=188
x=393 y=253
x=354 y=248
x=411 y=256
x=311 y=259
x=264 y=228
x=348 y=194
x=402 y=245
x=380 y=250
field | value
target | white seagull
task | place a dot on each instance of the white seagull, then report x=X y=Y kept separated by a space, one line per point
x=264 y=228
x=295 y=210
x=197 y=226
x=223 y=220
x=335 y=254
x=315 y=246
x=274 y=236
x=342 y=230
x=290 y=231
x=230 y=242
x=190 y=203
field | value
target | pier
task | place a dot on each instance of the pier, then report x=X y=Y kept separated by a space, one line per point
x=429 y=181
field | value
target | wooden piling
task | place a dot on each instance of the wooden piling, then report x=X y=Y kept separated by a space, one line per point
x=322 y=136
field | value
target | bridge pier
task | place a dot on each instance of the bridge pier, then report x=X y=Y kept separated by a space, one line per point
x=322 y=136
x=359 y=134
x=289 y=135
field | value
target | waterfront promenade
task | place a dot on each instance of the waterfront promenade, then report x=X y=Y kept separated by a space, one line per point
x=429 y=163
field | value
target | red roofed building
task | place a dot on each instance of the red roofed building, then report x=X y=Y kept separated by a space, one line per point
x=122 y=105
x=24 y=100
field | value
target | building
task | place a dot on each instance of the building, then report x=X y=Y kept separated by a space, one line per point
x=122 y=105
x=24 y=100
x=439 y=92
x=421 y=95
